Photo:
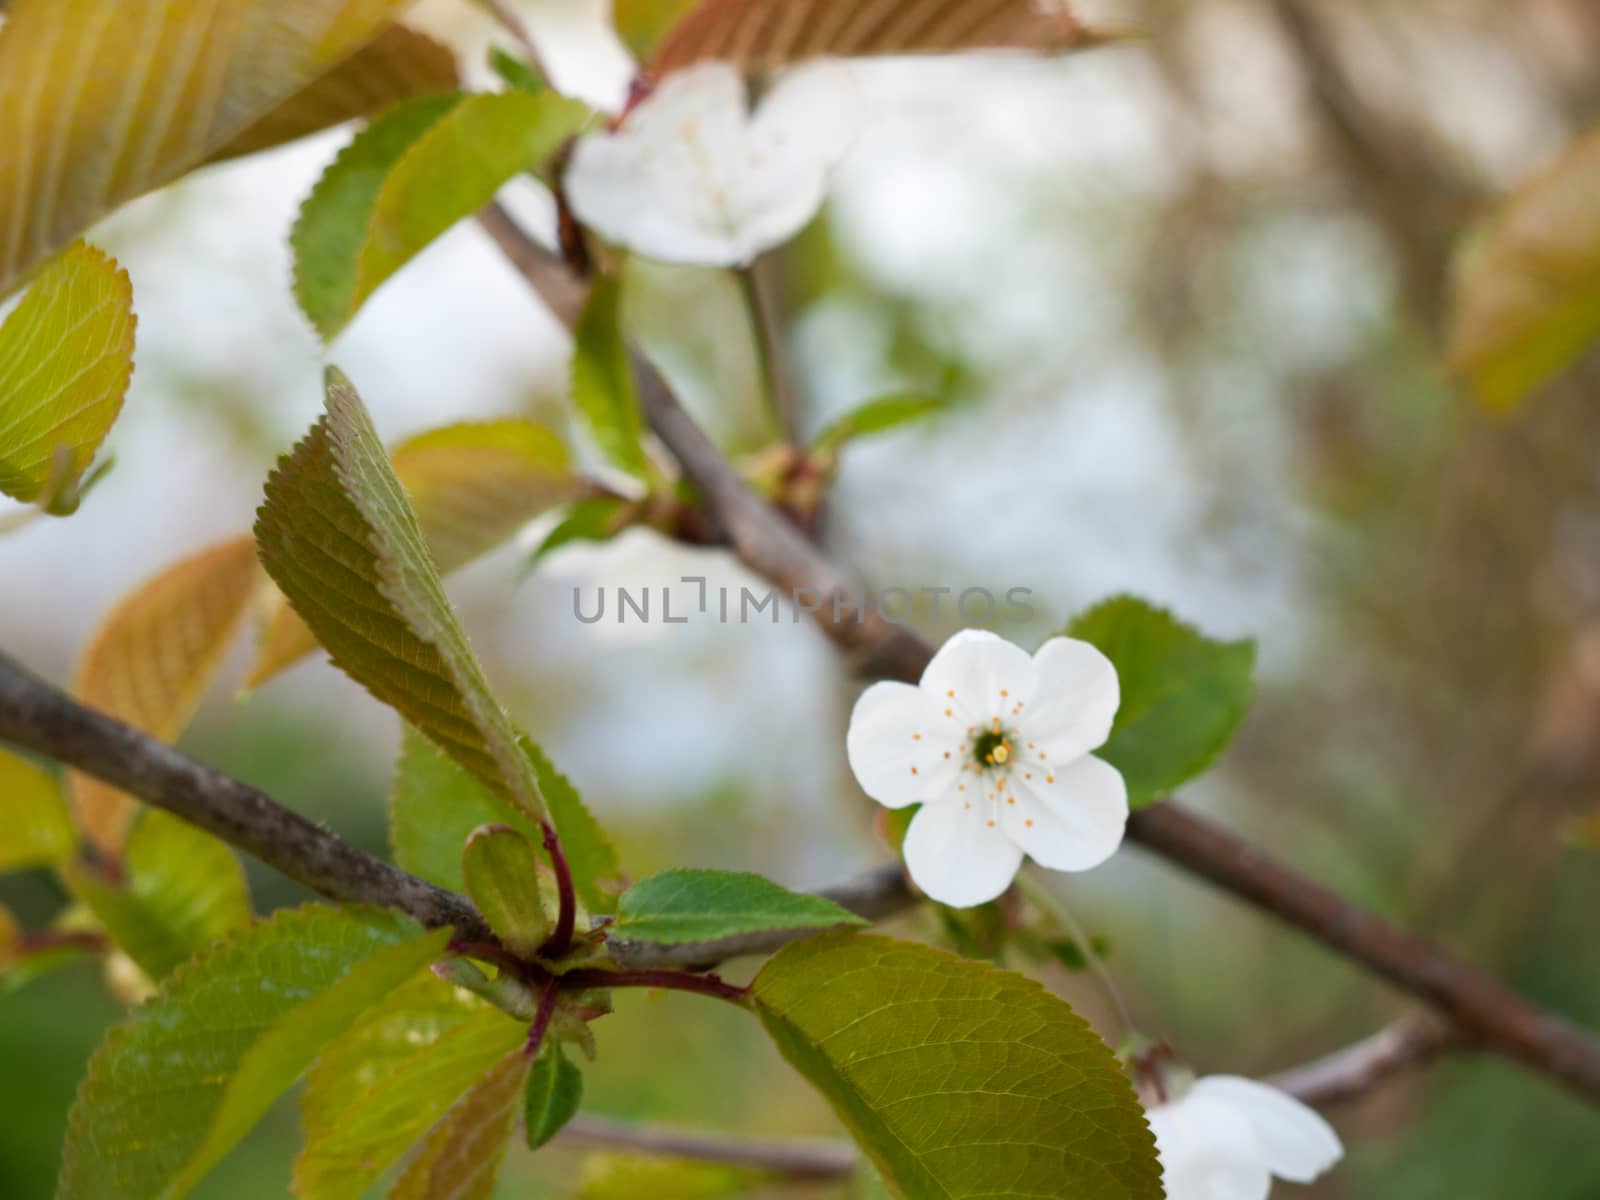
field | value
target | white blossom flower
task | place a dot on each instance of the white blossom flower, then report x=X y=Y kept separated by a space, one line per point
x=1225 y=1137
x=995 y=746
x=691 y=176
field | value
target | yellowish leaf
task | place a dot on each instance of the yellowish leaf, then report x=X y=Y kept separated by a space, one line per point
x=35 y=829
x=101 y=102
x=66 y=355
x=460 y=1158
x=399 y=65
x=1528 y=299
x=760 y=35
x=472 y=486
x=152 y=658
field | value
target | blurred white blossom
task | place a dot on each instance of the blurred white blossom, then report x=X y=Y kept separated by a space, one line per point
x=692 y=176
x=1225 y=1137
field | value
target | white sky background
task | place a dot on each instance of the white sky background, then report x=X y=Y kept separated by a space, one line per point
x=989 y=190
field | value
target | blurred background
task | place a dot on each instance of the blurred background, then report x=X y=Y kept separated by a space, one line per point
x=1186 y=296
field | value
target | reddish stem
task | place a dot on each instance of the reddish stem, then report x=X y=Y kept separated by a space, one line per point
x=560 y=939
x=677 y=981
x=542 y=1018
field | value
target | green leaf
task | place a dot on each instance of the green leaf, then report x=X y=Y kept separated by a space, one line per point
x=956 y=1078
x=327 y=238
x=1528 y=300
x=876 y=416
x=592 y=859
x=1183 y=694
x=176 y=1086
x=514 y=71
x=555 y=1089
x=434 y=805
x=66 y=356
x=35 y=827
x=399 y=65
x=602 y=381
x=702 y=906
x=473 y=485
x=502 y=874
x=461 y=1156
x=396 y=1072
x=182 y=890
x=337 y=534
x=591 y=520
x=102 y=102
x=406 y=179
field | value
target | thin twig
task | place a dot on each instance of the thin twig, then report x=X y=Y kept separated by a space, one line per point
x=1052 y=907
x=761 y=299
x=1363 y=1066
x=509 y=20
x=794 y=1158
x=42 y=718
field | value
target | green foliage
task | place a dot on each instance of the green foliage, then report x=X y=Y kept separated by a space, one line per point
x=876 y=416
x=701 y=906
x=555 y=1089
x=407 y=178
x=956 y=1078
x=461 y=1156
x=596 y=873
x=1183 y=694
x=66 y=356
x=35 y=827
x=176 y=1086
x=435 y=805
x=394 y=1074
x=337 y=534
x=502 y=876
x=602 y=381
x=475 y=484
x=86 y=123
x=182 y=890
x=514 y=72
x=592 y=520
x=1528 y=301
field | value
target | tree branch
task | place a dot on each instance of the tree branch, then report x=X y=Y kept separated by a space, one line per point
x=43 y=719
x=793 y=1157
x=1350 y=1073
x=1482 y=1010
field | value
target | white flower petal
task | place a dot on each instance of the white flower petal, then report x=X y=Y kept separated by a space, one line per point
x=1074 y=700
x=1296 y=1143
x=981 y=675
x=894 y=728
x=690 y=178
x=957 y=856
x=1208 y=1151
x=653 y=186
x=1077 y=812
